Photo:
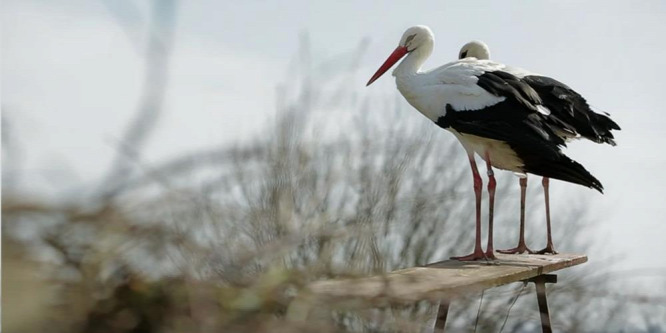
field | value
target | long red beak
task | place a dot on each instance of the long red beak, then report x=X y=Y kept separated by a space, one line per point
x=397 y=54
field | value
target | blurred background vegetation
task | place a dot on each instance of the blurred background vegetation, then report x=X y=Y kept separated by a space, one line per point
x=222 y=240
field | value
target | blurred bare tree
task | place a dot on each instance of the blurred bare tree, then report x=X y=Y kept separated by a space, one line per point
x=158 y=51
x=221 y=240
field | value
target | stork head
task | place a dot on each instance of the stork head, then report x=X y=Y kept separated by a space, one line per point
x=418 y=37
x=476 y=49
x=415 y=37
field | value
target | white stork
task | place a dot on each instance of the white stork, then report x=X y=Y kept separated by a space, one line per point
x=565 y=104
x=491 y=111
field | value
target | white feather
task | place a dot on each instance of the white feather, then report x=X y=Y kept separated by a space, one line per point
x=543 y=110
x=454 y=83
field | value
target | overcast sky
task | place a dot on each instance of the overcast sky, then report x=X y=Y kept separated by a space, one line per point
x=71 y=74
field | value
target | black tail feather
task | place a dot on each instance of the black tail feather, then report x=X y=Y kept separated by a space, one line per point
x=564 y=169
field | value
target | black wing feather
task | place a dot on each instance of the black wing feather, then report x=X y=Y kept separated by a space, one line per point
x=504 y=84
x=572 y=109
x=516 y=121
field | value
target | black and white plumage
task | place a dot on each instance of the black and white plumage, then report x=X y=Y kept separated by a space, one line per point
x=516 y=122
x=568 y=108
x=492 y=111
x=565 y=103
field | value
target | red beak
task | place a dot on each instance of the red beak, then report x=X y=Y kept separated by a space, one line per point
x=397 y=54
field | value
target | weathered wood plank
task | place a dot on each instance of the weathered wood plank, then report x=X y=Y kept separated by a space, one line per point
x=443 y=280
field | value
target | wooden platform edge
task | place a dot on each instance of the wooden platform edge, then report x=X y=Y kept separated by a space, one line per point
x=426 y=282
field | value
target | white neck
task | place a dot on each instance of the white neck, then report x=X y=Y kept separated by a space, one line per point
x=406 y=74
x=414 y=60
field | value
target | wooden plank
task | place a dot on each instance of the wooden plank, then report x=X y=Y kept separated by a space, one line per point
x=443 y=280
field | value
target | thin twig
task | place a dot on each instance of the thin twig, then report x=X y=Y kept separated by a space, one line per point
x=511 y=306
x=478 y=312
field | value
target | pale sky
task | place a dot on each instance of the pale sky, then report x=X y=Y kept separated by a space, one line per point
x=71 y=76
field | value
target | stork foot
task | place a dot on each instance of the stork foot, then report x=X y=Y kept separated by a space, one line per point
x=476 y=255
x=549 y=249
x=520 y=249
x=490 y=255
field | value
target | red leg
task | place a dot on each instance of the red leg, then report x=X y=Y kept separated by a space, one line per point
x=490 y=252
x=549 y=246
x=478 y=252
x=521 y=248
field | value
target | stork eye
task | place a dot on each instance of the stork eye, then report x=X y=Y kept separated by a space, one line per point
x=463 y=55
x=409 y=38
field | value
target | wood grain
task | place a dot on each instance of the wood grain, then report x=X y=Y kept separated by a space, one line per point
x=443 y=280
